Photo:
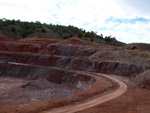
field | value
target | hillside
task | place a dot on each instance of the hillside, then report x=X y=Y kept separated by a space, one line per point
x=41 y=70
x=139 y=46
x=47 y=72
x=17 y=29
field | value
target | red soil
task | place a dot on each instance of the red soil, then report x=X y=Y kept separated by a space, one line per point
x=4 y=38
x=143 y=79
x=80 y=42
x=34 y=50
x=39 y=40
x=75 y=41
x=135 y=100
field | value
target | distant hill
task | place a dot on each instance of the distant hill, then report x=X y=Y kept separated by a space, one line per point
x=139 y=46
x=16 y=29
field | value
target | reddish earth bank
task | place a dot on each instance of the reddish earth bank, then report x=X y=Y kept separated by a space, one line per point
x=37 y=71
x=83 y=64
x=52 y=74
x=143 y=79
x=51 y=49
x=135 y=100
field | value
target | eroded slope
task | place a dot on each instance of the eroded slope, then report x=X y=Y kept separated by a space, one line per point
x=58 y=62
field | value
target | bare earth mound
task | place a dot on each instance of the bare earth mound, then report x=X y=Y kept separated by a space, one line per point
x=143 y=79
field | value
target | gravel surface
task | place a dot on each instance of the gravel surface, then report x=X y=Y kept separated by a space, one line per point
x=14 y=91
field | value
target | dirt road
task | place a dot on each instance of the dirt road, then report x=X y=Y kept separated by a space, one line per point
x=87 y=104
x=101 y=99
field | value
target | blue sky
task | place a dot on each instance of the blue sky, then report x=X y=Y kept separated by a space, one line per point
x=127 y=20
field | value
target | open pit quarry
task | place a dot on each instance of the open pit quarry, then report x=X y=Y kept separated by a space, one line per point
x=44 y=74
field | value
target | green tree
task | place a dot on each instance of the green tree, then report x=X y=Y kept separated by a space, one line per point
x=101 y=36
x=43 y=30
x=80 y=35
x=71 y=35
x=92 y=39
x=65 y=37
x=108 y=39
x=1 y=25
x=86 y=39
x=31 y=31
x=87 y=34
x=25 y=33
x=13 y=29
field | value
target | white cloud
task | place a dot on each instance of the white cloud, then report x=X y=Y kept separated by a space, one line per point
x=87 y=14
x=139 y=8
x=138 y=32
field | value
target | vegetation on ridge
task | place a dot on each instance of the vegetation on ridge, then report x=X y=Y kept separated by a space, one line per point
x=17 y=29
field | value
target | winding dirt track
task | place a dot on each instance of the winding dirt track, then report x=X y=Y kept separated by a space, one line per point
x=99 y=100
x=96 y=101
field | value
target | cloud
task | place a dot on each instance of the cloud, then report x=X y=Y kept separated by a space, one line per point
x=128 y=20
x=139 y=8
x=133 y=32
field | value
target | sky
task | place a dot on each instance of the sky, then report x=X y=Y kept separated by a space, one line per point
x=126 y=20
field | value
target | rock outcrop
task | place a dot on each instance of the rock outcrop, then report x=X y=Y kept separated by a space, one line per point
x=55 y=75
x=143 y=79
x=83 y=64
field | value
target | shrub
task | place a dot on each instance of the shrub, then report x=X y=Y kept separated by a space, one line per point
x=108 y=39
x=80 y=35
x=101 y=36
x=87 y=34
x=24 y=33
x=31 y=31
x=86 y=39
x=134 y=47
x=43 y=30
x=71 y=35
x=65 y=37
x=13 y=29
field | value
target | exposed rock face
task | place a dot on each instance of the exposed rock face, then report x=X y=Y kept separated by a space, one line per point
x=23 y=91
x=83 y=64
x=53 y=49
x=51 y=67
x=38 y=84
x=71 y=54
x=55 y=75
x=120 y=68
x=64 y=50
x=143 y=79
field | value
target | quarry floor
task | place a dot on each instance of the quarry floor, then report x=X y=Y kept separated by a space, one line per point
x=12 y=91
x=134 y=100
x=95 y=100
x=15 y=99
